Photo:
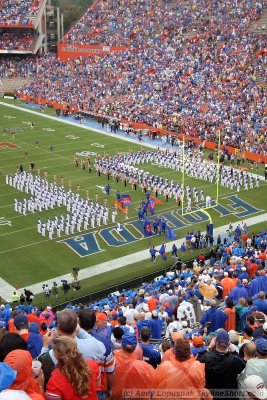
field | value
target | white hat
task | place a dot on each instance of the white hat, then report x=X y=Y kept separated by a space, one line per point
x=145 y=307
x=170 y=291
x=184 y=324
x=244 y=268
x=264 y=326
x=14 y=395
x=225 y=273
x=255 y=385
x=155 y=313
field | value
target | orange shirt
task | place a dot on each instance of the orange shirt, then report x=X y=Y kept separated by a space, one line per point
x=152 y=304
x=228 y=285
x=230 y=323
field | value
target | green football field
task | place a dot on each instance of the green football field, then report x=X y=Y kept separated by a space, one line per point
x=26 y=257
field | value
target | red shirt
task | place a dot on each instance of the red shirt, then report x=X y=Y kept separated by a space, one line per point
x=58 y=387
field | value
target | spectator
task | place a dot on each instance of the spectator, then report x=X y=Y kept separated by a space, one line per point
x=222 y=365
x=21 y=361
x=130 y=372
x=230 y=312
x=155 y=326
x=34 y=341
x=101 y=352
x=261 y=303
x=9 y=342
x=259 y=320
x=255 y=388
x=216 y=318
x=181 y=372
x=256 y=366
x=74 y=378
x=150 y=353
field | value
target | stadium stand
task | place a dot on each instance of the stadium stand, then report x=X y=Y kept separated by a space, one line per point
x=178 y=69
x=16 y=13
x=219 y=306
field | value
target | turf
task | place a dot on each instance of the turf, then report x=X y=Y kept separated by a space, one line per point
x=27 y=257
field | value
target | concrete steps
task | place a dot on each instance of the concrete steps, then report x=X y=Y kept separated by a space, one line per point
x=10 y=85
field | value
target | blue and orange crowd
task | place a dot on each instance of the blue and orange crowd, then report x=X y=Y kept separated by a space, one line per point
x=202 y=330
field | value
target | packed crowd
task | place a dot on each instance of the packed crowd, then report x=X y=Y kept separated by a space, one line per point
x=18 y=66
x=18 y=12
x=202 y=330
x=19 y=39
x=164 y=80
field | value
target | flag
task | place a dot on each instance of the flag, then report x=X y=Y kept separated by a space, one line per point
x=162 y=252
x=147 y=228
x=152 y=203
x=157 y=201
x=126 y=200
x=170 y=234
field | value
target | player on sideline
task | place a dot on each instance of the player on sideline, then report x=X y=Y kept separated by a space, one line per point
x=208 y=201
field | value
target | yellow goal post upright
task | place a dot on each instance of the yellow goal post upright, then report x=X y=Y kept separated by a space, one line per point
x=202 y=209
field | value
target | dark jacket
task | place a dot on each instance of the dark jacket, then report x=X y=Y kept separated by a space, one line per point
x=221 y=370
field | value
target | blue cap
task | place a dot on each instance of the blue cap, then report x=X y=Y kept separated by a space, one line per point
x=129 y=339
x=34 y=327
x=2 y=324
x=261 y=345
x=7 y=376
x=20 y=320
x=222 y=338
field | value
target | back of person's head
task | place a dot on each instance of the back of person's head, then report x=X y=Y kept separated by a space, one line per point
x=9 y=342
x=248 y=331
x=242 y=301
x=259 y=318
x=67 y=321
x=118 y=332
x=165 y=345
x=87 y=319
x=250 y=350
x=249 y=301
x=145 y=333
x=261 y=295
x=261 y=346
x=122 y=320
x=213 y=303
x=72 y=364
x=182 y=349
x=250 y=319
x=229 y=303
x=21 y=322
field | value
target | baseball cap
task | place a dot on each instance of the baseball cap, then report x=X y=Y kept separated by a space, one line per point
x=255 y=385
x=101 y=317
x=197 y=340
x=2 y=324
x=261 y=345
x=14 y=395
x=7 y=376
x=20 y=320
x=155 y=313
x=129 y=339
x=170 y=291
x=222 y=338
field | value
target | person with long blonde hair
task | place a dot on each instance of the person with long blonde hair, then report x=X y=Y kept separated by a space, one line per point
x=74 y=378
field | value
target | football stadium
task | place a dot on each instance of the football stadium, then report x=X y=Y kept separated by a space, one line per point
x=133 y=203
